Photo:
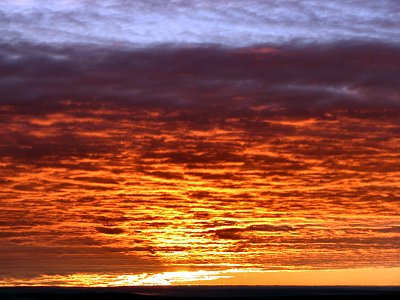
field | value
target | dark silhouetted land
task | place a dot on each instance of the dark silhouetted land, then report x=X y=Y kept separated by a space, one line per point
x=199 y=292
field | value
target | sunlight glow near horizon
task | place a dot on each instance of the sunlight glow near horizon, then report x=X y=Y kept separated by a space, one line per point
x=339 y=277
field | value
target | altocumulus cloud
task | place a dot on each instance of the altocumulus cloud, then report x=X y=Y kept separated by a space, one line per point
x=150 y=134
x=232 y=23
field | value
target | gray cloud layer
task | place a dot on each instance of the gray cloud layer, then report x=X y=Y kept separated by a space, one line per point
x=290 y=79
x=233 y=23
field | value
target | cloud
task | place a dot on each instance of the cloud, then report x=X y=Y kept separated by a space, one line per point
x=229 y=234
x=232 y=23
x=64 y=95
x=109 y=230
x=266 y=227
x=236 y=233
x=203 y=156
x=391 y=229
x=317 y=78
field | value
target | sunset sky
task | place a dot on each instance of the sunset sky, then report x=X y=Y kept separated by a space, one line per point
x=199 y=142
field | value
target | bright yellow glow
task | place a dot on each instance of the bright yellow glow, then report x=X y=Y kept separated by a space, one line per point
x=350 y=277
x=104 y=280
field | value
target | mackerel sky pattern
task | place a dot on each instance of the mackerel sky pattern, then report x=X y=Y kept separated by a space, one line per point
x=151 y=136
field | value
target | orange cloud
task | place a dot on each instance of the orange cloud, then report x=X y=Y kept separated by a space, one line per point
x=300 y=180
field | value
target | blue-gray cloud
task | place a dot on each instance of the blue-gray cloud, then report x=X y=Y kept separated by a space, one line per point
x=232 y=23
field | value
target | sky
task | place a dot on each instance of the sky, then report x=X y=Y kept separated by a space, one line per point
x=199 y=142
